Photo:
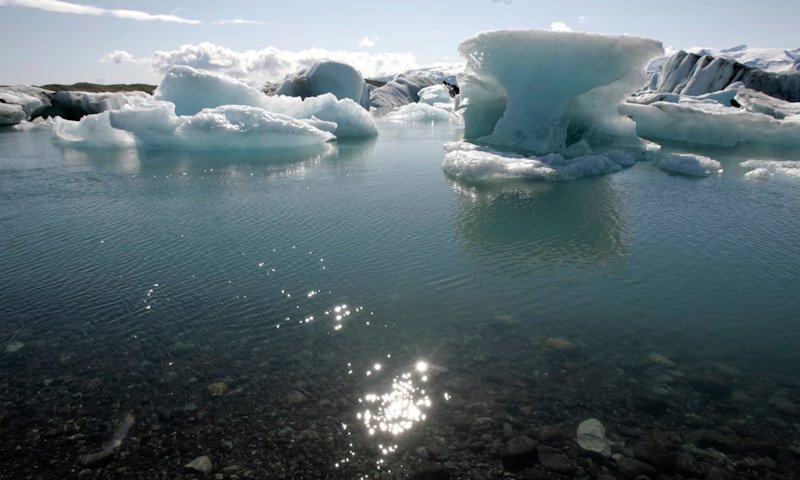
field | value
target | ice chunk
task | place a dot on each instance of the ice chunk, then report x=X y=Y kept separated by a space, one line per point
x=539 y=91
x=420 y=112
x=692 y=74
x=192 y=90
x=706 y=122
x=91 y=131
x=400 y=91
x=11 y=114
x=435 y=95
x=229 y=127
x=338 y=78
x=73 y=105
x=687 y=164
x=468 y=161
x=771 y=169
x=30 y=100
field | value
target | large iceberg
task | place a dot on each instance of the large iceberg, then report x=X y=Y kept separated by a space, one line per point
x=693 y=74
x=21 y=102
x=547 y=102
x=540 y=91
x=195 y=109
x=401 y=90
x=340 y=79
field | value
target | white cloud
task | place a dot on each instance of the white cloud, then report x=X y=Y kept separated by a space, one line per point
x=583 y=19
x=240 y=21
x=368 y=42
x=560 y=27
x=268 y=63
x=59 y=6
x=119 y=56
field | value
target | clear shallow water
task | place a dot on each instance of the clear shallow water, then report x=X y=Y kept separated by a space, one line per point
x=131 y=281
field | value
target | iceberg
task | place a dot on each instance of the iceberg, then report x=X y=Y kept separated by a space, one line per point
x=687 y=164
x=692 y=74
x=470 y=162
x=200 y=110
x=421 y=112
x=21 y=102
x=540 y=91
x=707 y=121
x=543 y=105
x=772 y=169
x=401 y=90
x=340 y=79
x=192 y=90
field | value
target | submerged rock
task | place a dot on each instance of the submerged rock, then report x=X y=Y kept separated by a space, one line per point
x=661 y=360
x=218 y=389
x=200 y=465
x=592 y=437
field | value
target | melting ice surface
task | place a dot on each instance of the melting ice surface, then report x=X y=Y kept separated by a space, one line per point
x=550 y=94
x=195 y=109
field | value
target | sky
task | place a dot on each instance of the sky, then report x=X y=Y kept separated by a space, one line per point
x=132 y=41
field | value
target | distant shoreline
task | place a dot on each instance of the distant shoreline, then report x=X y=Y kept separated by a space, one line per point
x=98 y=88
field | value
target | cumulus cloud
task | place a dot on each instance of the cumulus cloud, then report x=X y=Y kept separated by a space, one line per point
x=560 y=27
x=119 y=56
x=583 y=19
x=268 y=63
x=59 y=6
x=367 y=42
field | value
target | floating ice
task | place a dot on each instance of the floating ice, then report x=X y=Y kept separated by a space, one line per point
x=437 y=96
x=11 y=114
x=21 y=102
x=340 y=79
x=771 y=169
x=91 y=131
x=707 y=122
x=201 y=110
x=420 y=112
x=468 y=161
x=401 y=90
x=693 y=74
x=539 y=91
x=192 y=90
x=687 y=164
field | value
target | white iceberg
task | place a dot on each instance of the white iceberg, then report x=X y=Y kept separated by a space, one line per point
x=708 y=122
x=539 y=91
x=200 y=110
x=772 y=169
x=421 y=112
x=340 y=79
x=467 y=161
x=687 y=164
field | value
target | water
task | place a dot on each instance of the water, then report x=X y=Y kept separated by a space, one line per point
x=356 y=288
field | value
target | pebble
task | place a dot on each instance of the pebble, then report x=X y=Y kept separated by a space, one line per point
x=201 y=465
x=218 y=389
x=519 y=453
x=661 y=360
x=592 y=437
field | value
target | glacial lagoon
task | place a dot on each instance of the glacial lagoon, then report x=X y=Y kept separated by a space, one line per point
x=352 y=312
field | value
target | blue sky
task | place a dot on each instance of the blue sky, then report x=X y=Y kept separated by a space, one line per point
x=117 y=40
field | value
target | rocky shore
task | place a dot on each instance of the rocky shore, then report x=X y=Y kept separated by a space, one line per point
x=507 y=402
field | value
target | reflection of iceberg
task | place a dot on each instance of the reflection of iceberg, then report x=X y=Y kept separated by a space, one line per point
x=233 y=163
x=520 y=226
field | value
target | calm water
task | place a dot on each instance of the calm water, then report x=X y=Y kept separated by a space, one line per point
x=131 y=281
